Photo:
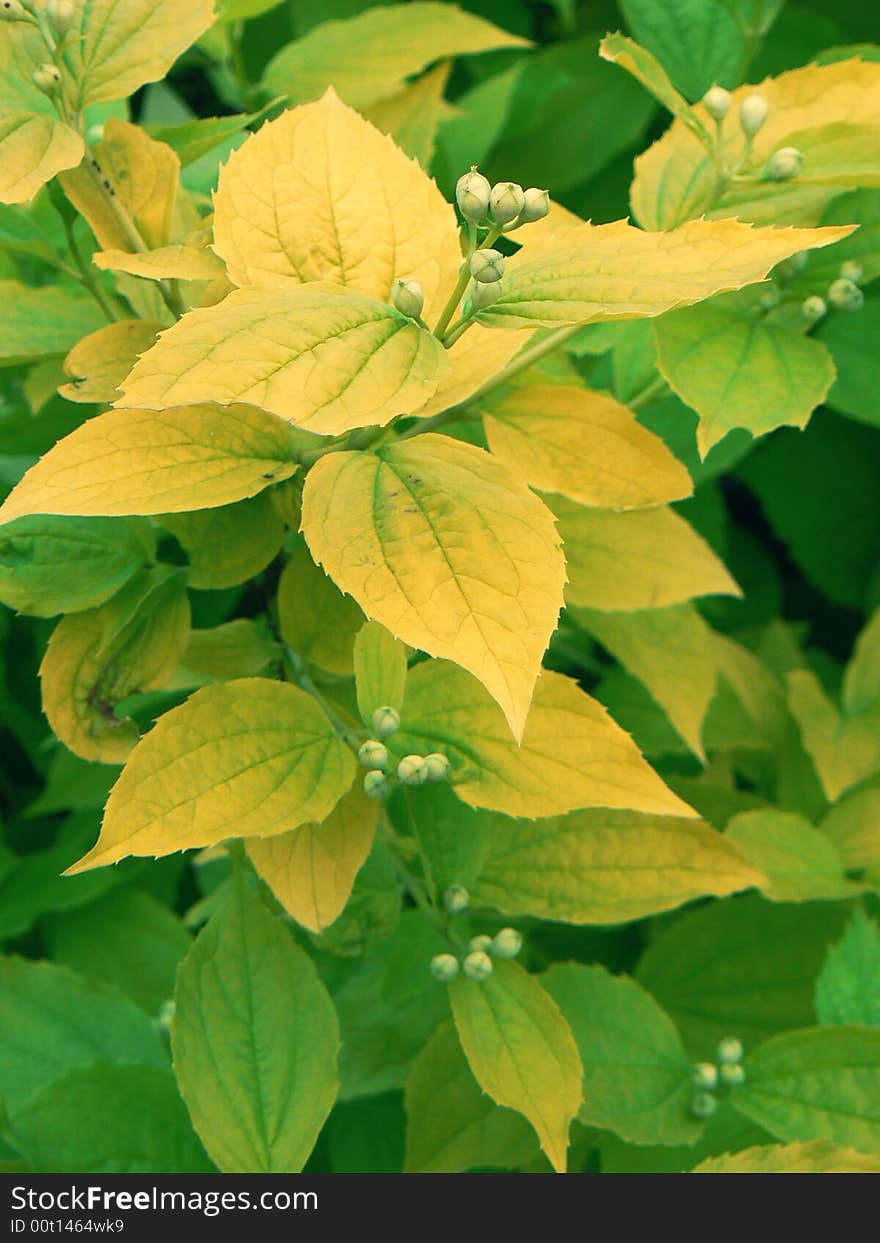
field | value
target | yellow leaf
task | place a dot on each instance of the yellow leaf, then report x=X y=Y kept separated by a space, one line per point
x=440 y=543
x=99 y=363
x=573 y=755
x=584 y=445
x=521 y=1050
x=370 y=55
x=641 y=560
x=473 y=359
x=311 y=869
x=141 y=462
x=411 y=117
x=843 y=750
x=614 y=271
x=96 y=659
x=379 y=670
x=818 y=1156
x=33 y=148
x=319 y=357
x=229 y=544
x=247 y=758
x=321 y=195
x=315 y=618
x=180 y=261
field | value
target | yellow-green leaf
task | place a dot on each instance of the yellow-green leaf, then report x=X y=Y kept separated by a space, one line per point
x=449 y=550
x=615 y=271
x=861 y=679
x=227 y=545
x=606 y=867
x=411 y=117
x=42 y=322
x=641 y=560
x=645 y=67
x=819 y=1156
x=321 y=195
x=475 y=357
x=316 y=619
x=320 y=357
x=801 y=863
x=179 y=261
x=34 y=146
x=572 y=753
x=369 y=56
x=236 y=649
x=853 y=825
x=246 y=758
x=521 y=1051
x=379 y=669
x=843 y=750
x=311 y=869
x=99 y=363
x=141 y=462
x=585 y=446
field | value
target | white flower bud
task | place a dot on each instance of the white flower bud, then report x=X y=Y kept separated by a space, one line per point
x=753 y=113
x=703 y=1105
x=770 y=297
x=472 y=195
x=506 y=201
x=733 y=1076
x=61 y=14
x=408 y=297
x=791 y=266
x=507 y=943
x=373 y=754
x=412 y=771
x=385 y=721
x=536 y=205
x=486 y=266
x=47 y=79
x=437 y=766
x=730 y=1051
x=483 y=295
x=846 y=295
x=166 y=1015
x=481 y=943
x=12 y=11
x=783 y=164
x=717 y=102
x=704 y=1075
x=478 y=965
x=813 y=308
x=376 y=784
x=456 y=899
x=444 y=967
x=852 y=271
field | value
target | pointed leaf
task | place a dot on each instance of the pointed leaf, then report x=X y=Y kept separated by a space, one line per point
x=848 y=987
x=315 y=618
x=99 y=363
x=817 y=1157
x=800 y=863
x=379 y=670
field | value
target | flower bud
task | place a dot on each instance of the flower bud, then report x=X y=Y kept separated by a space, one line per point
x=376 y=784
x=485 y=294
x=408 y=297
x=783 y=164
x=536 y=205
x=717 y=102
x=47 y=79
x=166 y=1015
x=444 y=967
x=703 y=1105
x=478 y=965
x=704 y=1075
x=753 y=113
x=12 y=11
x=437 y=766
x=507 y=943
x=730 y=1051
x=506 y=201
x=385 y=721
x=791 y=266
x=456 y=899
x=852 y=271
x=813 y=308
x=481 y=943
x=486 y=266
x=770 y=297
x=373 y=754
x=846 y=295
x=472 y=195
x=733 y=1076
x=61 y=14
x=412 y=771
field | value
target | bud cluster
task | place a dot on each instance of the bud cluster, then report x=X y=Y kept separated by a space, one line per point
x=725 y=1072
x=843 y=294
x=477 y=962
x=412 y=770
x=505 y=205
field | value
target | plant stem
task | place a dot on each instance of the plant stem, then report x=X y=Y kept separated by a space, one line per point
x=296 y=666
x=88 y=276
x=525 y=359
x=652 y=390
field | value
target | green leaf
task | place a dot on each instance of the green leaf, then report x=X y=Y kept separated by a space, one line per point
x=52 y=1020
x=453 y=838
x=193 y=139
x=801 y=863
x=255 y=1041
x=244 y=758
x=470 y=1130
x=370 y=55
x=740 y=371
x=647 y=69
x=606 y=867
x=853 y=341
x=64 y=565
x=636 y=1072
x=817 y=1157
x=844 y=751
x=108 y=1119
x=42 y=323
x=229 y=544
x=521 y=1051
x=853 y=825
x=848 y=986
x=236 y=649
x=861 y=679
x=316 y=619
x=379 y=670
x=697 y=41
x=820 y=1083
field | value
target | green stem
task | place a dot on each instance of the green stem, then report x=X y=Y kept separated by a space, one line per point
x=87 y=275
x=297 y=669
x=654 y=389
x=525 y=359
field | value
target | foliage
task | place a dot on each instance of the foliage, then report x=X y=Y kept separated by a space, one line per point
x=395 y=553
